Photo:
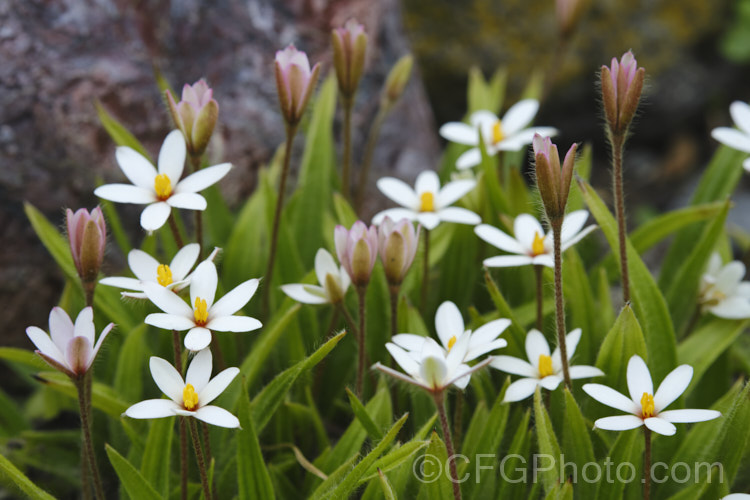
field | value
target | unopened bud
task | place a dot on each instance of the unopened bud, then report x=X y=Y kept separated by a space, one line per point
x=334 y=293
x=622 y=85
x=397 y=245
x=397 y=80
x=87 y=234
x=552 y=179
x=295 y=82
x=349 y=51
x=195 y=115
x=357 y=251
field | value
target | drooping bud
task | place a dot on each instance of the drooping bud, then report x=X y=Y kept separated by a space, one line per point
x=568 y=13
x=397 y=246
x=195 y=115
x=357 y=250
x=349 y=50
x=396 y=81
x=295 y=82
x=87 y=234
x=622 y=84
x=552 y=179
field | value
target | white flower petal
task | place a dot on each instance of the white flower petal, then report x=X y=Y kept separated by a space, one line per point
x=155 y=215
x=184 y=260
x=572 y=224
x=460 y=133
x=324 y=265
x=660 y=426
x=584 y=371
x=550 y=382
x=732 y=138
x=576 y=238
x=136 y=168
x=433 y=371
x=199 y=372
x=203 y=283
x=143 y=265
x=639 y=379
x=403 y=359
x=84 y=326
x=571 y=343
x=167 y=378
x=499 y=239
x=524 y=137
x=475 y=351
x=235 y=300
x=516 y=366
x=427 y=182
x=399 y=192
x=44 y=344
x=299 y=293
x=217 y=416
x=203 y=178
x=125 y=193
x=730 y=276
x=610 y=397
x=61 y=327
x=740 y=112
x=172 y=156
x=508 y=261
x=409 y=341
x=457 y=354
x=618 y=423
x=395 y=214
x=167 y=300
x=536 y=345
x=470 y=158
x=519 y=115
x=489 y=331
x=100 y=340
x=689 y=415
x=78 y=354
x=746 y=166
x=672 y=387
x=396 y=374
x=454 y=191
x=543 y=260
x=732 y=308
x=152 y=408
x=234 y=324
x=428 y=220
x=525 y=227
x=197 y=339
x=459 y=215
x=483 y=119
x=216 y=386
x=188 y=201
x=448 y=322
x=520 y=389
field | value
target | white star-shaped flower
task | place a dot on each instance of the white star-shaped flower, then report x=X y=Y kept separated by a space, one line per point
x=508 y=134
x=450 y=329
x=427 y=202
x=722 y=291
x=173 y=276
x=189 y=397
x=204 y=315
x=645 y=406
x=334 y=282
x=541 y=368
x=531 y=245
x=161 y=189
x=736 y=139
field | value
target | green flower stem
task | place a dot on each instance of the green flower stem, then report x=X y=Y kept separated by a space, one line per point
x=458 y=418
x=647 y=464
x=348 y=104
x=200 y=458
x=290 y=132
x=177 y=348
x=207 y=444
x=539 y=271
x=440 y=403
x=372 y=139
x=84 y=405
x=361 y=295
x=195 y=162
x=333 y=322
x=175 y=230
x=617 y=142
x=425 y=271
x=394 y=291
x=559 y=305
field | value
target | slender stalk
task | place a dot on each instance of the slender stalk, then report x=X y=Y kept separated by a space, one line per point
x=177 y=349
x=647 y=464
x=84 y=407
x=207 y=444
x=372 y=139
x=200 y=458
x=348 y=104
x=394 y=291
x=617 y=142
x=88 y=291
x=332 y=324
x=361 y=294
x=290 y=131
x=348 y=317
x=85 y=476
x=440 y=403
x=539 y=270
x=559 y=305
x=218 y=352
x=458 y=419
x=195 y=163
x=425 y=271
x=175 y=231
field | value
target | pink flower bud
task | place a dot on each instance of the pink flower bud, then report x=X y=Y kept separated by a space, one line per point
x=87 y=234
x=397 y=246
x=349 y=50
x=195 y=115
x=357 y=250
x=568 y=13
x=552 y=179
x=622 y=84
x=295 y=82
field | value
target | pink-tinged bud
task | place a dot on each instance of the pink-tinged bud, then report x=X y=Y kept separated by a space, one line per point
x=397 y=246
x=349 y=50
x=87 y=234
x=396 y=81
x=195 y=115
x=295 y=82
x=622 y=84
x=552 y=179
x=569 y=12
x=357 y=250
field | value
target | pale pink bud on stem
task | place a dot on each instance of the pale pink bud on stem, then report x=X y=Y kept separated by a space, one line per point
x=195 y=115
x=87 y=234
x=349 y=51
x=622 y=84
x=397 y=246
x=295 y=82
x=396 y=81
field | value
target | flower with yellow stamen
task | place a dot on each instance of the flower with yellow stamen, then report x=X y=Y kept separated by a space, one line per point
x=201 y=311
x=497 y=132
x=427 y=202
x=647 y=405
x=164 y=275
x=189 y=397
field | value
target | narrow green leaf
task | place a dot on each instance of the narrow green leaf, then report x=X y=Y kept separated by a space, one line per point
x=623 y=341
x=252 y=475
x=156 y=460
x=626 y=449
x=103 y=397
x=117 y=132
x=135 y=484
x=128 y=382
x=548 y=444
x=323 y=490
x=388 y=492
x=345 y=214
x=517 y=336
x=364 y=418
x=398 y=456
x=436 y=483
x=513 y=460
x=14 y=479
x=577 y=442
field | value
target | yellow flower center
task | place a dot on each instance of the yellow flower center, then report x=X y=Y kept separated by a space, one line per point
x=189 y=397
x=537 y=246
x=451 y=342
x=427 y=202
x=647 y=405
x=162 y=186
x=201 y=312
x=164 y=275
x=497 y=132
x=545 y=366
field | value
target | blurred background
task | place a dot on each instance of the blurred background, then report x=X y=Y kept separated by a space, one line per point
x=60 y=57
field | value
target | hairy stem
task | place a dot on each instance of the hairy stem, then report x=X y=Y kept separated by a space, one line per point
x=372 y=139
x=440 y=403
x=394 y=291
x=425 y=271
x=647 y=464
x=200 y=458
x=361 y=294
x=559 y=305
x=195 y=163
x=177 y=349
x=85 y=409
x=175 y=230
x=458 y=418
x=348 y=104
x=617 y=180
x=207 y=444
x=539 y=271
x=332 y=324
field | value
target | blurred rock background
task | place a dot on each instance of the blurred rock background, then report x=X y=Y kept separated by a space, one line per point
x=59 y=57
